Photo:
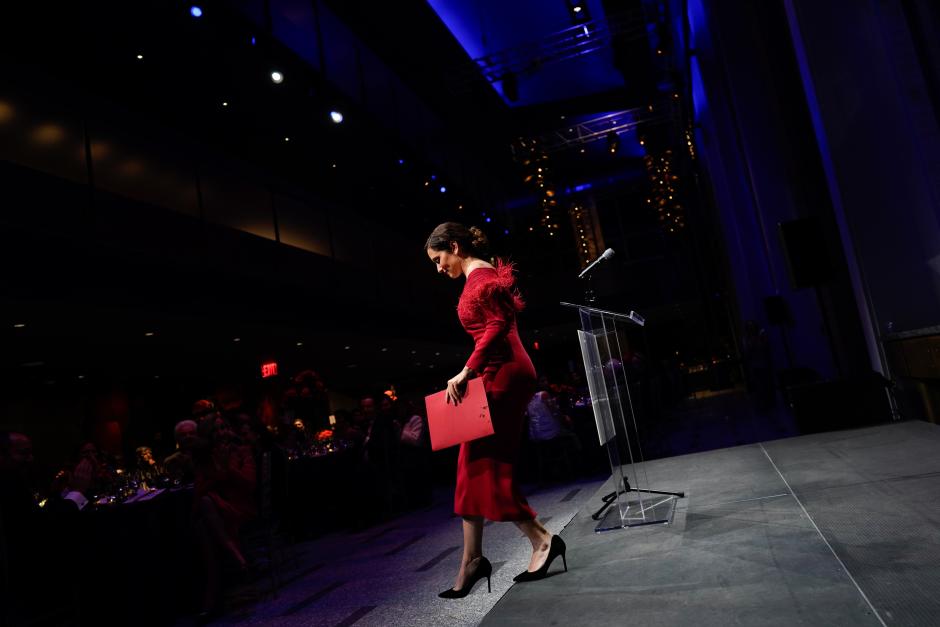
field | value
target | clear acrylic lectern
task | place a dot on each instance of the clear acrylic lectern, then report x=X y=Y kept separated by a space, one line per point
x=632 y=503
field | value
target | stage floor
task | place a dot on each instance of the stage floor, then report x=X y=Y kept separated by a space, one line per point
x=830 y=529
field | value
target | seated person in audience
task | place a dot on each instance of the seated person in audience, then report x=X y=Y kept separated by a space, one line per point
x=103 y=474
x=546 y=422
x=38 y=536
x=351 y=426
x=147 y=470
x=179 y=465
x=204 y=410
x=224 y=501
x=415 y=456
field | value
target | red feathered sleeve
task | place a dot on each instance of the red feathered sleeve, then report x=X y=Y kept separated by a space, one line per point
x=493 y=298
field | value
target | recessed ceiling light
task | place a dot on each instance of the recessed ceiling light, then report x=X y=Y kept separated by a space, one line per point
x=300 y=343
x=277 y=77
x=149 y=334
x=347 y=348
x=236 y=339
x=19 y=325
x=336 y=116
x=140 y=57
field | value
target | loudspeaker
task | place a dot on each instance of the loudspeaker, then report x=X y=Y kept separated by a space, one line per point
x=804 y=246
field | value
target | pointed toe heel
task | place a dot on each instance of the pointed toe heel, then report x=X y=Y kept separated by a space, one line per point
x=556 y=549
x=484 y=569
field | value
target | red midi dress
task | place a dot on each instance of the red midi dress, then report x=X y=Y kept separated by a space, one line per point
x=487 y=310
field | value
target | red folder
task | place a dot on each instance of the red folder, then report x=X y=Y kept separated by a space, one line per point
x=451 y=425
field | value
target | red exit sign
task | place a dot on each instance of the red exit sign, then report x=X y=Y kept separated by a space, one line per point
x=269 y=369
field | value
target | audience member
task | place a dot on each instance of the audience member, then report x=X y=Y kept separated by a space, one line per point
x=224 y=501
x=179 y=466
x=147 y=470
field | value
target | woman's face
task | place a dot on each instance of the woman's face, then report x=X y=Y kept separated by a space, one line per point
x=447 y=262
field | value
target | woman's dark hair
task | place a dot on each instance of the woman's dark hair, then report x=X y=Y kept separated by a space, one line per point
x=470 y=239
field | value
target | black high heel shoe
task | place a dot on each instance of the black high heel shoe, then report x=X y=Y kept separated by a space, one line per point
x=484 y=569
x=557 y=548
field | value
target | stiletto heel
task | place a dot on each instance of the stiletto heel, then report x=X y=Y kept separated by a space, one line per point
x=556 y=549
x=484 y=569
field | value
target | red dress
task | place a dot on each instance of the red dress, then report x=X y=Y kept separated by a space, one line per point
x=487 y=310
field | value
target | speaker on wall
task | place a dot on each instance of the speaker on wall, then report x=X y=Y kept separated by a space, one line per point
x=805 y=249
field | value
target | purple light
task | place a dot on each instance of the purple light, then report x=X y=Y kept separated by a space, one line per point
x=433 y=177
x=443 y=189
x=253 y=41
x=489 y=219
x=401 y=162
x=506 y=232
x=195 y=11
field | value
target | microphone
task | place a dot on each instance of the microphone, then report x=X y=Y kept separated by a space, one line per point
x=607 y=254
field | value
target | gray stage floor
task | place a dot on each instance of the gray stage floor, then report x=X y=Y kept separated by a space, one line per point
x=391 y=574
x=829 y=529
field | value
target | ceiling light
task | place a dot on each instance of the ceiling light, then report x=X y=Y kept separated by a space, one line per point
x=336 y=116
x=443 y=189
x=19 y=325
x=195 y=11
x=149 y=334
x=577 y=9
x=140 y=57
x=277 y=77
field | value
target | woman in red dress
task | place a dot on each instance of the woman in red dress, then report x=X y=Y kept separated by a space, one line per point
x=486 y=487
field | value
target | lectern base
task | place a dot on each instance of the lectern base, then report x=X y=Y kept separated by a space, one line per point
x=633 y=509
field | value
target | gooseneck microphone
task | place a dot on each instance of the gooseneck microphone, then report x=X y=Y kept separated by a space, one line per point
x=607 y=254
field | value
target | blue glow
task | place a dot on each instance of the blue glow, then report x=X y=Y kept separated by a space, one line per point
x=253 y=41
x=443 y=189
x=699 y=102
x=401 y=162
x=433 y=177
x=336 y=116
x=195 y=11
x=582 y=187
x=506 y=232
x=487 y=27
x=489 y=219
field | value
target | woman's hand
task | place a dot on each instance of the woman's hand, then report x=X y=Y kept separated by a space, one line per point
x=457 y=386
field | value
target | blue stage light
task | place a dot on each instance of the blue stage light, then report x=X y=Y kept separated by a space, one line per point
x=336 y=116
x=443 y=189
x=401 y=162
x=489 y=219
x=253 y=41
x=195 y=11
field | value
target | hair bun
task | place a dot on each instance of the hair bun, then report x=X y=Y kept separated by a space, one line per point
x=479 y=238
